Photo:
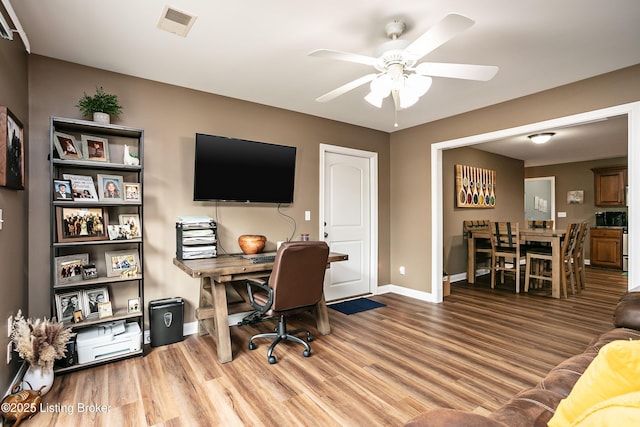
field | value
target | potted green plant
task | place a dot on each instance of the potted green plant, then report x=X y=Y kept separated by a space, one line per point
x=101 y=106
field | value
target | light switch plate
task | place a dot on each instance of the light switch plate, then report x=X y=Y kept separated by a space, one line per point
x=562 y=214
x=307 y=215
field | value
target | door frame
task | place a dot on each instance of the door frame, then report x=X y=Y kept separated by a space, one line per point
x=552 y=202
x=373 y=197
x=631 y=110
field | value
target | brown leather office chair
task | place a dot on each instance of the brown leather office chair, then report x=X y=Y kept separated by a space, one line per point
x=295 y=285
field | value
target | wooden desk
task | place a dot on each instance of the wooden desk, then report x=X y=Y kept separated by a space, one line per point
x=215 y=274
x=550 y=235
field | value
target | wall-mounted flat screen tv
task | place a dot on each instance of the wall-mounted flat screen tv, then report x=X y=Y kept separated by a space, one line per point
x=237 y=170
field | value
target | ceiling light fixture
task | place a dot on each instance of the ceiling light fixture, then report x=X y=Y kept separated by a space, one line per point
x=541 y=138
x=406 y=89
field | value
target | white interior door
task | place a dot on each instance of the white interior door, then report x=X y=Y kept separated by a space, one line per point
x=348 y=222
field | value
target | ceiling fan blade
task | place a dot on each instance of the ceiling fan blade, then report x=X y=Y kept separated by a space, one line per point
x=344 y=56
x=457 y=71
x=450 y=26
x=346 y=88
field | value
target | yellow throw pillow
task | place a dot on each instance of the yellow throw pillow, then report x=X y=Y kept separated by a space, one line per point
x=614 y=371
x=619 y=411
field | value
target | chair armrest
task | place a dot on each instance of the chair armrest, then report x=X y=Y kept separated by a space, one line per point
x=262 y=284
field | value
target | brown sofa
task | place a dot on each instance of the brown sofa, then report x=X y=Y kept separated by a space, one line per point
x=535 y=407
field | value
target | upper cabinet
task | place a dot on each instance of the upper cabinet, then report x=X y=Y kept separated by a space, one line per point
x=610 y=185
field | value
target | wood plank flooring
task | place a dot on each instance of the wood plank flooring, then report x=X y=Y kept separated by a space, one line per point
x=377 y=368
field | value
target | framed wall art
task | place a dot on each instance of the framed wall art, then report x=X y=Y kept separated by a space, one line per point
x=81 y=224
x=92 y=298
x=67 y=304
x=11 y=151
x=475 y=187
x=95 y=148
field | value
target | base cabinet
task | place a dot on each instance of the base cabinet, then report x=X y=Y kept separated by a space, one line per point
x=606 y=248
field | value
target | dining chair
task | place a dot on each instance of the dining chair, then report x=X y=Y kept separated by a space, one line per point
x=538 y=263
x=505 y=246
x=482 y=246
x=578 y=256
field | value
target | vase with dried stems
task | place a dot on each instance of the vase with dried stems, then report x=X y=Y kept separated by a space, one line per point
x=40 y=342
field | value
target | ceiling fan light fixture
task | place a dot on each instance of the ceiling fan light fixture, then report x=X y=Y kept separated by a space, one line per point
x=407 y=98
x=417 y=84
x=375 y=99
x=381 y=85
x=541 y=138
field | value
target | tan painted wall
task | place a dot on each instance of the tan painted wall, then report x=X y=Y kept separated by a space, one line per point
x=13 y=236
x=410 y=158
x=170 y=117
x=509 y=200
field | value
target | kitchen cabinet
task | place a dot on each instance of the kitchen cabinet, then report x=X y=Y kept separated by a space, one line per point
x=606 y=247
x=609 y=186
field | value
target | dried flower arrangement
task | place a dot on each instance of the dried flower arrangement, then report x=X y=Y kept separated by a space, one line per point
x=40 y=342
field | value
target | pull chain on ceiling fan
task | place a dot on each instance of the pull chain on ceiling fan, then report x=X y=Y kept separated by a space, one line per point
x=398 y=75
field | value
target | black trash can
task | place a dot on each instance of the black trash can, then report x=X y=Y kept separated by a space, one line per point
x=166 y=317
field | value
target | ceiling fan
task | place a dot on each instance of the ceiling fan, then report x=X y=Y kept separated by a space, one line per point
x=398 y=75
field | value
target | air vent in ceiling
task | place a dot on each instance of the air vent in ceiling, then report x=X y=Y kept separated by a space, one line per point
x=175 y=21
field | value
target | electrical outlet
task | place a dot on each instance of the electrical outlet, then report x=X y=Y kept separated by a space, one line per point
x=402 y=270
x=9 y=352
x=307 y=215
x=9 y=325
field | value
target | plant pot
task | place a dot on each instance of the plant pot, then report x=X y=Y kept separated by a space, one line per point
x=101 y=118
x=252 y=244
x=37 y=378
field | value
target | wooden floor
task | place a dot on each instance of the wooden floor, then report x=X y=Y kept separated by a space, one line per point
x=377 y=368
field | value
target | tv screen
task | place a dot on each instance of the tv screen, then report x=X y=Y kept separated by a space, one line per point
x=237 y=170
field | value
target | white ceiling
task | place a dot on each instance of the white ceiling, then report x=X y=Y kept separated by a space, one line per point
x=257 y=50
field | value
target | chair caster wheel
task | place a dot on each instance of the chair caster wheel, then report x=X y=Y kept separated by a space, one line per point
x=309 y=338
x=252 y=346
x=306 y=353
x=272 y=360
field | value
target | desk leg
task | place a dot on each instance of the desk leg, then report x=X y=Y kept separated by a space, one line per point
x=471 y=259
x=213 y=316
x=555 y=267
x=322 y=317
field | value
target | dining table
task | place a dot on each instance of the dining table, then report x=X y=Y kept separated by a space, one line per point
x=547 y=235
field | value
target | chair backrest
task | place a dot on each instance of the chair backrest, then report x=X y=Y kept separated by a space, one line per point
x=297 y=277
x=475 y=223
x=540 y=223
x=504 y=235
x=583 y=228
x=570 y=239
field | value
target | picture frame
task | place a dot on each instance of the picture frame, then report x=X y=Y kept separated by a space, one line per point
x=94 y=148
x=133 y=221
x=81 y=224
x=110 y=188
x=119 y=232
x=92 y=298
x=82 y=187
x=11 y=150
x=105 y=310
x=132 y=192
x=77 y=316
x=133 y=305
x=69 y=268
x=120 y=261
x=62 y=190
x=67 y=146
x=575 y=197
x=67 y=304
x=89 y=271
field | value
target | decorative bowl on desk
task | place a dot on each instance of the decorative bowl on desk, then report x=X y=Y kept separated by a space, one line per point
x=252 y=243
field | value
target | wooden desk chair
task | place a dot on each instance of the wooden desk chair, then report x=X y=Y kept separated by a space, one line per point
x=578 y=256
x=482 y=246
x=505 y=246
